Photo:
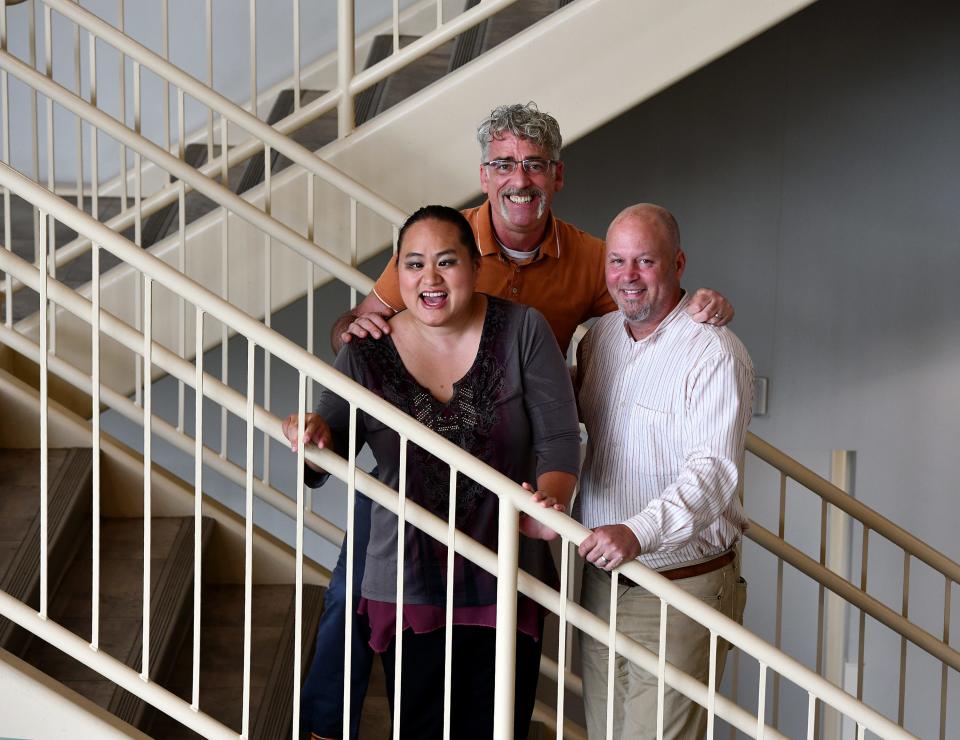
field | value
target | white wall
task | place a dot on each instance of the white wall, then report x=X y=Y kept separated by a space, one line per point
x=814 y=175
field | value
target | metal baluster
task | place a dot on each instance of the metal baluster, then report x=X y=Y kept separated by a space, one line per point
x=311 y=276
x=401 y=555
x=778 y=638
x=448 y=637
x=863 y=615
x=821 y=600
x=267 y=301
x=79 y=127
x=611 y=649
x=122 y=105
x=164 y=85
x=661 y=668
x=351 y=533
x=95 y=359
x=562 y=634
x=353 y=247
x=296 y=55
x=253 y=57
x=34 y=118
x=762 y=702
x=861 y=732
x=137 y=224
x=439 y=13
x=811 y=716
x=396 y=237
x=346 y=61
x=208 y=25
x=5 y=114
x=197 y=505
x=396 y=26
x=311 y=283
x=50 y=244
x=224 y=282
x=712 y=695
x=947 y=594
x=901 y=708
x=248 y=544
x=505 y=663
x=181 y=260
x=44 y=405
x=298 y=592
x=147 y=465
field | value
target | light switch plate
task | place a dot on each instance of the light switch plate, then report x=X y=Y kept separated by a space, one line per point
x=760 y=396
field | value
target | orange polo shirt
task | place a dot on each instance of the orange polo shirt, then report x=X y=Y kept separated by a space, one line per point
x=565 y=282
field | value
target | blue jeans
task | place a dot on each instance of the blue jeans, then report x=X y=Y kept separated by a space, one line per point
x=321 y=700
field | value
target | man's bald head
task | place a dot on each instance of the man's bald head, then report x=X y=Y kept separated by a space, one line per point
x=650 y=214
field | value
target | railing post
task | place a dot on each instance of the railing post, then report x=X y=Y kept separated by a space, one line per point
x=842 y=464
x=508 y=554
x=345 y=66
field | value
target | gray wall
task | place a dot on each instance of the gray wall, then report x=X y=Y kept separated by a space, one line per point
x=814 y=175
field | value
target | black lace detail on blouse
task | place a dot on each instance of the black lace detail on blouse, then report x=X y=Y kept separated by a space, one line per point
x=467 y=419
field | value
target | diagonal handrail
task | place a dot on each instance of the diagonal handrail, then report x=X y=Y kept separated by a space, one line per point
x=361 y=398
x=212 y=189
x=857 y=509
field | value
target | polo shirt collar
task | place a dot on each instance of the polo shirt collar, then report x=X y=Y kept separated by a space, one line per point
x=487 y=240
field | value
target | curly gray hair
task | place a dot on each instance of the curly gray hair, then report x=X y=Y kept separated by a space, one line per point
x=523 y=121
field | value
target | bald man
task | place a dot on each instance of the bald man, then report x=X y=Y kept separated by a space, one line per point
x=666 y=402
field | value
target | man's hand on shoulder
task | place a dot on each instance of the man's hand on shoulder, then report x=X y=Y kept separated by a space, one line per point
x=610 y=546
x=369 y=319
x=709 y=307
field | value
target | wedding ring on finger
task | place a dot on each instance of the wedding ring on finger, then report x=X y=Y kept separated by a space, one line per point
x=603 y=559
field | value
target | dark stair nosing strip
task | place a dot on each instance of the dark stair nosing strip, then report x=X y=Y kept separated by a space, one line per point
x=170 y=618
x=274 y=715
x=368 y=102
x=68 y=501
x=161 y=222
x=469 y=44
x=255 y=170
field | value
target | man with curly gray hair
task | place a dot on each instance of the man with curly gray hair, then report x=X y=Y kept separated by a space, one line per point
x=527 y=255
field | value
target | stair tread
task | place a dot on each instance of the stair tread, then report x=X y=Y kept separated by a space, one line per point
x=121 y=609
x=221 y=661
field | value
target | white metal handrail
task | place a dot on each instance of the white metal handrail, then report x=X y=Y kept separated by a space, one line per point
x=226 y=108
x=512 y=497
x=577 y=616
x=212 y=189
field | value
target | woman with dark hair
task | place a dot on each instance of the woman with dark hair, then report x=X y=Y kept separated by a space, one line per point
x=488 y=375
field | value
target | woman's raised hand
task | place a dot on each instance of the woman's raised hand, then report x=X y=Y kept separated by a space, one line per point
x=315 y=430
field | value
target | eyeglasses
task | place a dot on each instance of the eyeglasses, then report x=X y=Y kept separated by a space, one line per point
x=533 y=166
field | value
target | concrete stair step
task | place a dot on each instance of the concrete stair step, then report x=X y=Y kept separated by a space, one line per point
x=221 y=660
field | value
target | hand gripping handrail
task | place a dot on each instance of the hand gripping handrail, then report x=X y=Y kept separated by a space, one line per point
x=362 y=398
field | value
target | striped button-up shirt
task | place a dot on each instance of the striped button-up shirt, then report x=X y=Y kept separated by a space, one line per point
x=667 y=419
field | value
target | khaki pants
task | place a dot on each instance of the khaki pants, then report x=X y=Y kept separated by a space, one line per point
x=688 y=648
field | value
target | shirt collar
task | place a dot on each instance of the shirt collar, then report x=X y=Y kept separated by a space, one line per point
x=487 y=240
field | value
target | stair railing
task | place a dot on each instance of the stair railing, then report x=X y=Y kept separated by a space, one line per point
x=857 y=595
x=513 y=500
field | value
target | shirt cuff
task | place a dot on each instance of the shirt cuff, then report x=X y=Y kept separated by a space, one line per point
x=645 y=531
